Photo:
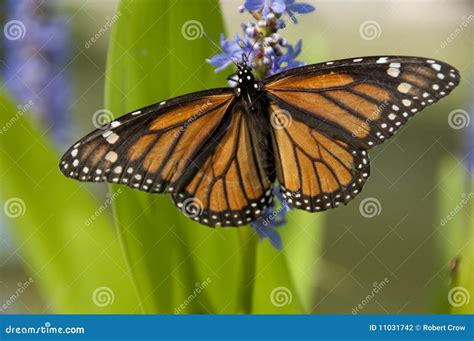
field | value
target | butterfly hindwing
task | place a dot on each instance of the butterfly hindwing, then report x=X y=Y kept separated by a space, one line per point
x=316 y=172
x=230 y=187
x=363 y=101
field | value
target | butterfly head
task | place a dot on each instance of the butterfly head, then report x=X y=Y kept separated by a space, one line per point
x=245 y=78
x=243 y=68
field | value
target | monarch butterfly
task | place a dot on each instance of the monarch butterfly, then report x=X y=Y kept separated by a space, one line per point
x=219 y=152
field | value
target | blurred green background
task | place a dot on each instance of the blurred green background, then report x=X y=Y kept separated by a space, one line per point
x=331 y=261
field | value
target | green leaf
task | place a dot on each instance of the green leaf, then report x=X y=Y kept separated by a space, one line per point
x=155 y=54
x=455 y=232
x=285 y=282
x=64 y=235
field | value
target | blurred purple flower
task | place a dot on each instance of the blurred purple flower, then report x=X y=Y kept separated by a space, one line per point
x=300 y=8
x=35 y=63
x=271 y=8
x=232 y=51
x=266 y=6
x=287 y=61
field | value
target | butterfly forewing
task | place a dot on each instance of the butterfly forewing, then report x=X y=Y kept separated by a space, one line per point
x=363 y=101
x=149 y=148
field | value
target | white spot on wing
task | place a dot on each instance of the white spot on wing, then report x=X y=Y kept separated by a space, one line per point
x=404 y=87
x=393 y=72
x=111 y=156
x=112 y=138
